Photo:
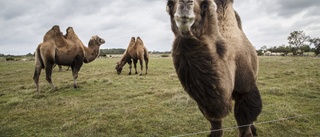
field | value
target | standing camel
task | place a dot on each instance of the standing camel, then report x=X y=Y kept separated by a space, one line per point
x=61 y=50
x=215 y=62
x=135 y=51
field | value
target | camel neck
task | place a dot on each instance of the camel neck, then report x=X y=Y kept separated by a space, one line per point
x=227 y=19
x=90 y=54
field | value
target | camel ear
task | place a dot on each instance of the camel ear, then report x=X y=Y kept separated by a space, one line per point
x=214 y=5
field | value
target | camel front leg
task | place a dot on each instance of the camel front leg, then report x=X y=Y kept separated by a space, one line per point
x=216 y=130
x=130 y=66
x=48 y=76
x=135 y=66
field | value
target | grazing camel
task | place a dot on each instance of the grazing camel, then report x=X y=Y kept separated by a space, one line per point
x=215 y=62
x=135 y=51
x=61 y=50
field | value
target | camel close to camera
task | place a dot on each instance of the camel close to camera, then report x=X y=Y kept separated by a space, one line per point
x=215 y=62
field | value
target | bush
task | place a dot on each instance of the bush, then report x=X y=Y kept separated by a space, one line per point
x=164 y=55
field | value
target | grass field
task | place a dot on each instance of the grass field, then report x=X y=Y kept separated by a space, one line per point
x=107 y=104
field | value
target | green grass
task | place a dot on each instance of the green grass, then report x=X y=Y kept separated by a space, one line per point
x=107 y=104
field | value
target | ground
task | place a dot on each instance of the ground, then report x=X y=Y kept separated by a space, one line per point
x=107 y=104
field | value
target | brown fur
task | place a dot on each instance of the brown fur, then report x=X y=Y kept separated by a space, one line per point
x=63 y=50
x=135 y=51
x=216 y=63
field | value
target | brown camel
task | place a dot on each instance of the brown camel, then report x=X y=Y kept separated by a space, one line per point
x=135 y=51
x=215 y=62
x=61 y=50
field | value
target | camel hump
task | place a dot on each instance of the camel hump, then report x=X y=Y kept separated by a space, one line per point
x=133 y=39
x=139 y=41
x=54 y=31
x=70 y=34
x=132 y=42
x=55 y=27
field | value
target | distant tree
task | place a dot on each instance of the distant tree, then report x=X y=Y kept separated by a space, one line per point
x=305 y=48
x=29 y=54
x=316 y=43
x=297 y=39
x=264 y=48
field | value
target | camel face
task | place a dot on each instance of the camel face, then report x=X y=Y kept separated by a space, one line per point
x=99 y=41
x=189 y=15
x=118 y=68
x=184 y=15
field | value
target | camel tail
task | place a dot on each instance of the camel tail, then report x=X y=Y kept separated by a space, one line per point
x=38 y=57
x=146 y=54
x=38 y=66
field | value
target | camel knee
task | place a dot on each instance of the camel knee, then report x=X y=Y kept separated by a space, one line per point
x=247 y=108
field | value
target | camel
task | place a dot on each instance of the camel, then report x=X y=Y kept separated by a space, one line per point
x=135 y=51
x=60 y=68
x=64 y=50
x=215 y=62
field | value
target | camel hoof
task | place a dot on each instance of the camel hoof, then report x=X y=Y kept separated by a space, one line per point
x=52 y=90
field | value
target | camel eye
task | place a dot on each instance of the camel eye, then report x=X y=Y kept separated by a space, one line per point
x=204 y=6
x=170 y=4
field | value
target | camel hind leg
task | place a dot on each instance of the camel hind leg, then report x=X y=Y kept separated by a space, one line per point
x=248 y=106
x=146 y=60
x=37 y=72
x=141 y=66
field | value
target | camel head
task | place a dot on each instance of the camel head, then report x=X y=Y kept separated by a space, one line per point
x=191 y=16
x=119 y=67
x=94 y=44
x=96 y=40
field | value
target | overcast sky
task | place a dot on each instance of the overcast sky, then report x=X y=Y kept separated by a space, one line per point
x=24 y=22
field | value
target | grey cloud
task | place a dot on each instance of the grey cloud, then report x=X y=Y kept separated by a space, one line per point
x=23 y=23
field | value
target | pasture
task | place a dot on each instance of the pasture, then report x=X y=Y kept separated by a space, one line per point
x=107 y=104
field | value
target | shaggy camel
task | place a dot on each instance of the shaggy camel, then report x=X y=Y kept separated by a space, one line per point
x=215 y=62
x=64 y=50
x=135 y=51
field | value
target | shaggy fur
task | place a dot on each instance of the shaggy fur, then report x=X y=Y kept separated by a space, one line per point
x=63 y=50
x=135 y=51
x=215 y=62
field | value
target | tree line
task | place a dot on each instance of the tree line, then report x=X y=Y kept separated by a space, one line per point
x=298 y=43
x=104 y=52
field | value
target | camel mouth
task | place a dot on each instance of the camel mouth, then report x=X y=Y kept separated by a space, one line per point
x=102 y=41
x=184 y=23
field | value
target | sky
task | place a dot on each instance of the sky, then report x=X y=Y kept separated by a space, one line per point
x=24 y=23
